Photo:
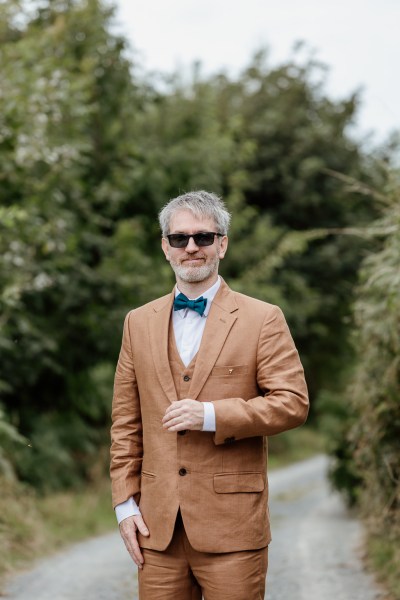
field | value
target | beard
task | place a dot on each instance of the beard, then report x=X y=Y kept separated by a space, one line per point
x=192 y=274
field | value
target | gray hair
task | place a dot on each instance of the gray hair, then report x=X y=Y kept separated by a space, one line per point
x=202 y=204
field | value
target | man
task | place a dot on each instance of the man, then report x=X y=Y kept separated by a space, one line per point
x=204 y=376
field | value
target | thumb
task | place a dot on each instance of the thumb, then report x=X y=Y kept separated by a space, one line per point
x=141 y=525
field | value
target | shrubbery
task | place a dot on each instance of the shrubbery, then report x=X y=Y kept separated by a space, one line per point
x=368 y=450
x=90 y=151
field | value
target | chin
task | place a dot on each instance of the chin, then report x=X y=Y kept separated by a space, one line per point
x=194 y=274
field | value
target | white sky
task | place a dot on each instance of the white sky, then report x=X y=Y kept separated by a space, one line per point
x=359 y=40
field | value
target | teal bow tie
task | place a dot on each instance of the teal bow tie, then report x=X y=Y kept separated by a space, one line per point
x=199 y=305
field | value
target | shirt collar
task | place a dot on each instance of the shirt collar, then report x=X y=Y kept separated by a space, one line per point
x=209 y=294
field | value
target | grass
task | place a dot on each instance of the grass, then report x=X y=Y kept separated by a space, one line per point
x=32 y=526
x=293 y=446
x=384 y=558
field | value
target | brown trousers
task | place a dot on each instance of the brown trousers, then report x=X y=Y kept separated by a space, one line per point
x=182 y=573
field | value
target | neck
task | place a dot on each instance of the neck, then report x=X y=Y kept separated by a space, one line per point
x=194 y=289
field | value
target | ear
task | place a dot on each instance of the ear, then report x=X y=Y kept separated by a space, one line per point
x=165 y=247
x=223 y=246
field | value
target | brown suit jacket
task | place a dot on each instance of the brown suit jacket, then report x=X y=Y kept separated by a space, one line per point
x=248 y=366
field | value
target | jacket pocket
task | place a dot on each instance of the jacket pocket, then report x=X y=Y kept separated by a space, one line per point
x=148 y=474
x=233 y=483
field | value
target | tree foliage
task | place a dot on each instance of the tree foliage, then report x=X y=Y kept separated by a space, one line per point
x=365 y=437
x=66 y=143
x=89 y=152
x=371 y=464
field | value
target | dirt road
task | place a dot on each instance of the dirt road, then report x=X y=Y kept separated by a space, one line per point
x=314 y=555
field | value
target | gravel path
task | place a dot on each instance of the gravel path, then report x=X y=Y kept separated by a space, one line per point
x=317 y=546
x=314 y=555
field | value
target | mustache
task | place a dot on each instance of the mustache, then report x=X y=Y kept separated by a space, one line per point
x=192 y=257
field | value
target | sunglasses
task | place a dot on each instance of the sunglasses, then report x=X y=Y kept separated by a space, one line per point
x=181 y=240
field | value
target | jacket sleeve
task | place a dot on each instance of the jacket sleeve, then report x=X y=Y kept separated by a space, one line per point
x=283 y=404
x=126 y=430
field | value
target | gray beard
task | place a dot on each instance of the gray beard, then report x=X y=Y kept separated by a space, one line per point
x=195 y=274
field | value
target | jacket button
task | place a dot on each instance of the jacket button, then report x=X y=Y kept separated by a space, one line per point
x=229 y=440
x=183 y=432
x=182 y=471
x=186 y=378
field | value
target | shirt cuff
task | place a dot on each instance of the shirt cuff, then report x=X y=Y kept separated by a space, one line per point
x=209 y=417
x=126 y=509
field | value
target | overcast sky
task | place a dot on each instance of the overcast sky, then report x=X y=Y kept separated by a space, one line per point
x=358 y=39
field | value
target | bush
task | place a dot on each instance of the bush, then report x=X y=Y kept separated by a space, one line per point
x=368 y=450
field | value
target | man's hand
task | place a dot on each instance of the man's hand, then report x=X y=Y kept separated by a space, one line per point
x=128 y=528
x=184 y=414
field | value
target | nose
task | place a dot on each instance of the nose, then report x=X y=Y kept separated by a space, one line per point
x=191 y=245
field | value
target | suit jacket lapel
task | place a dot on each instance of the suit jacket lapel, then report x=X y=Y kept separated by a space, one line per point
x=219 y=323
x=158 y=334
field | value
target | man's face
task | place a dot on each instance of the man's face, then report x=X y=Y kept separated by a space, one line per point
x=193 y=263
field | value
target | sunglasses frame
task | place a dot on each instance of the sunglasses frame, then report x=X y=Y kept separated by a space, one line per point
x=194 y=236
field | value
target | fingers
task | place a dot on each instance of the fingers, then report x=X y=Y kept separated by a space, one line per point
x=175 y=408
x=128 y=530
x=184 y=414
x=173 y=420
x=176 y=425
x=136 y=554
x=141 y=525
x=175 y=416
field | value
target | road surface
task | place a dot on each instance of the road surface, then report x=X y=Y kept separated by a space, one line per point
x=315 y=553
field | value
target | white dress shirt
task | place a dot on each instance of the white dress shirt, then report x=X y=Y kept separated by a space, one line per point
x=188 y=330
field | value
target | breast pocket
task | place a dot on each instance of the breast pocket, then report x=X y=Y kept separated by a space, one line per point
x=229 y=371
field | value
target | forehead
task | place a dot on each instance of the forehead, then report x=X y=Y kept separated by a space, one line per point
x=184 y=221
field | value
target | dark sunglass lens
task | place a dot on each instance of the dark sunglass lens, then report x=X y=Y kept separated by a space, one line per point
x=178 y=240
x=203 y=239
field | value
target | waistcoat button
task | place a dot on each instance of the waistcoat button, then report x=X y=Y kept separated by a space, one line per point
x=186 y=378
x=182 y=471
